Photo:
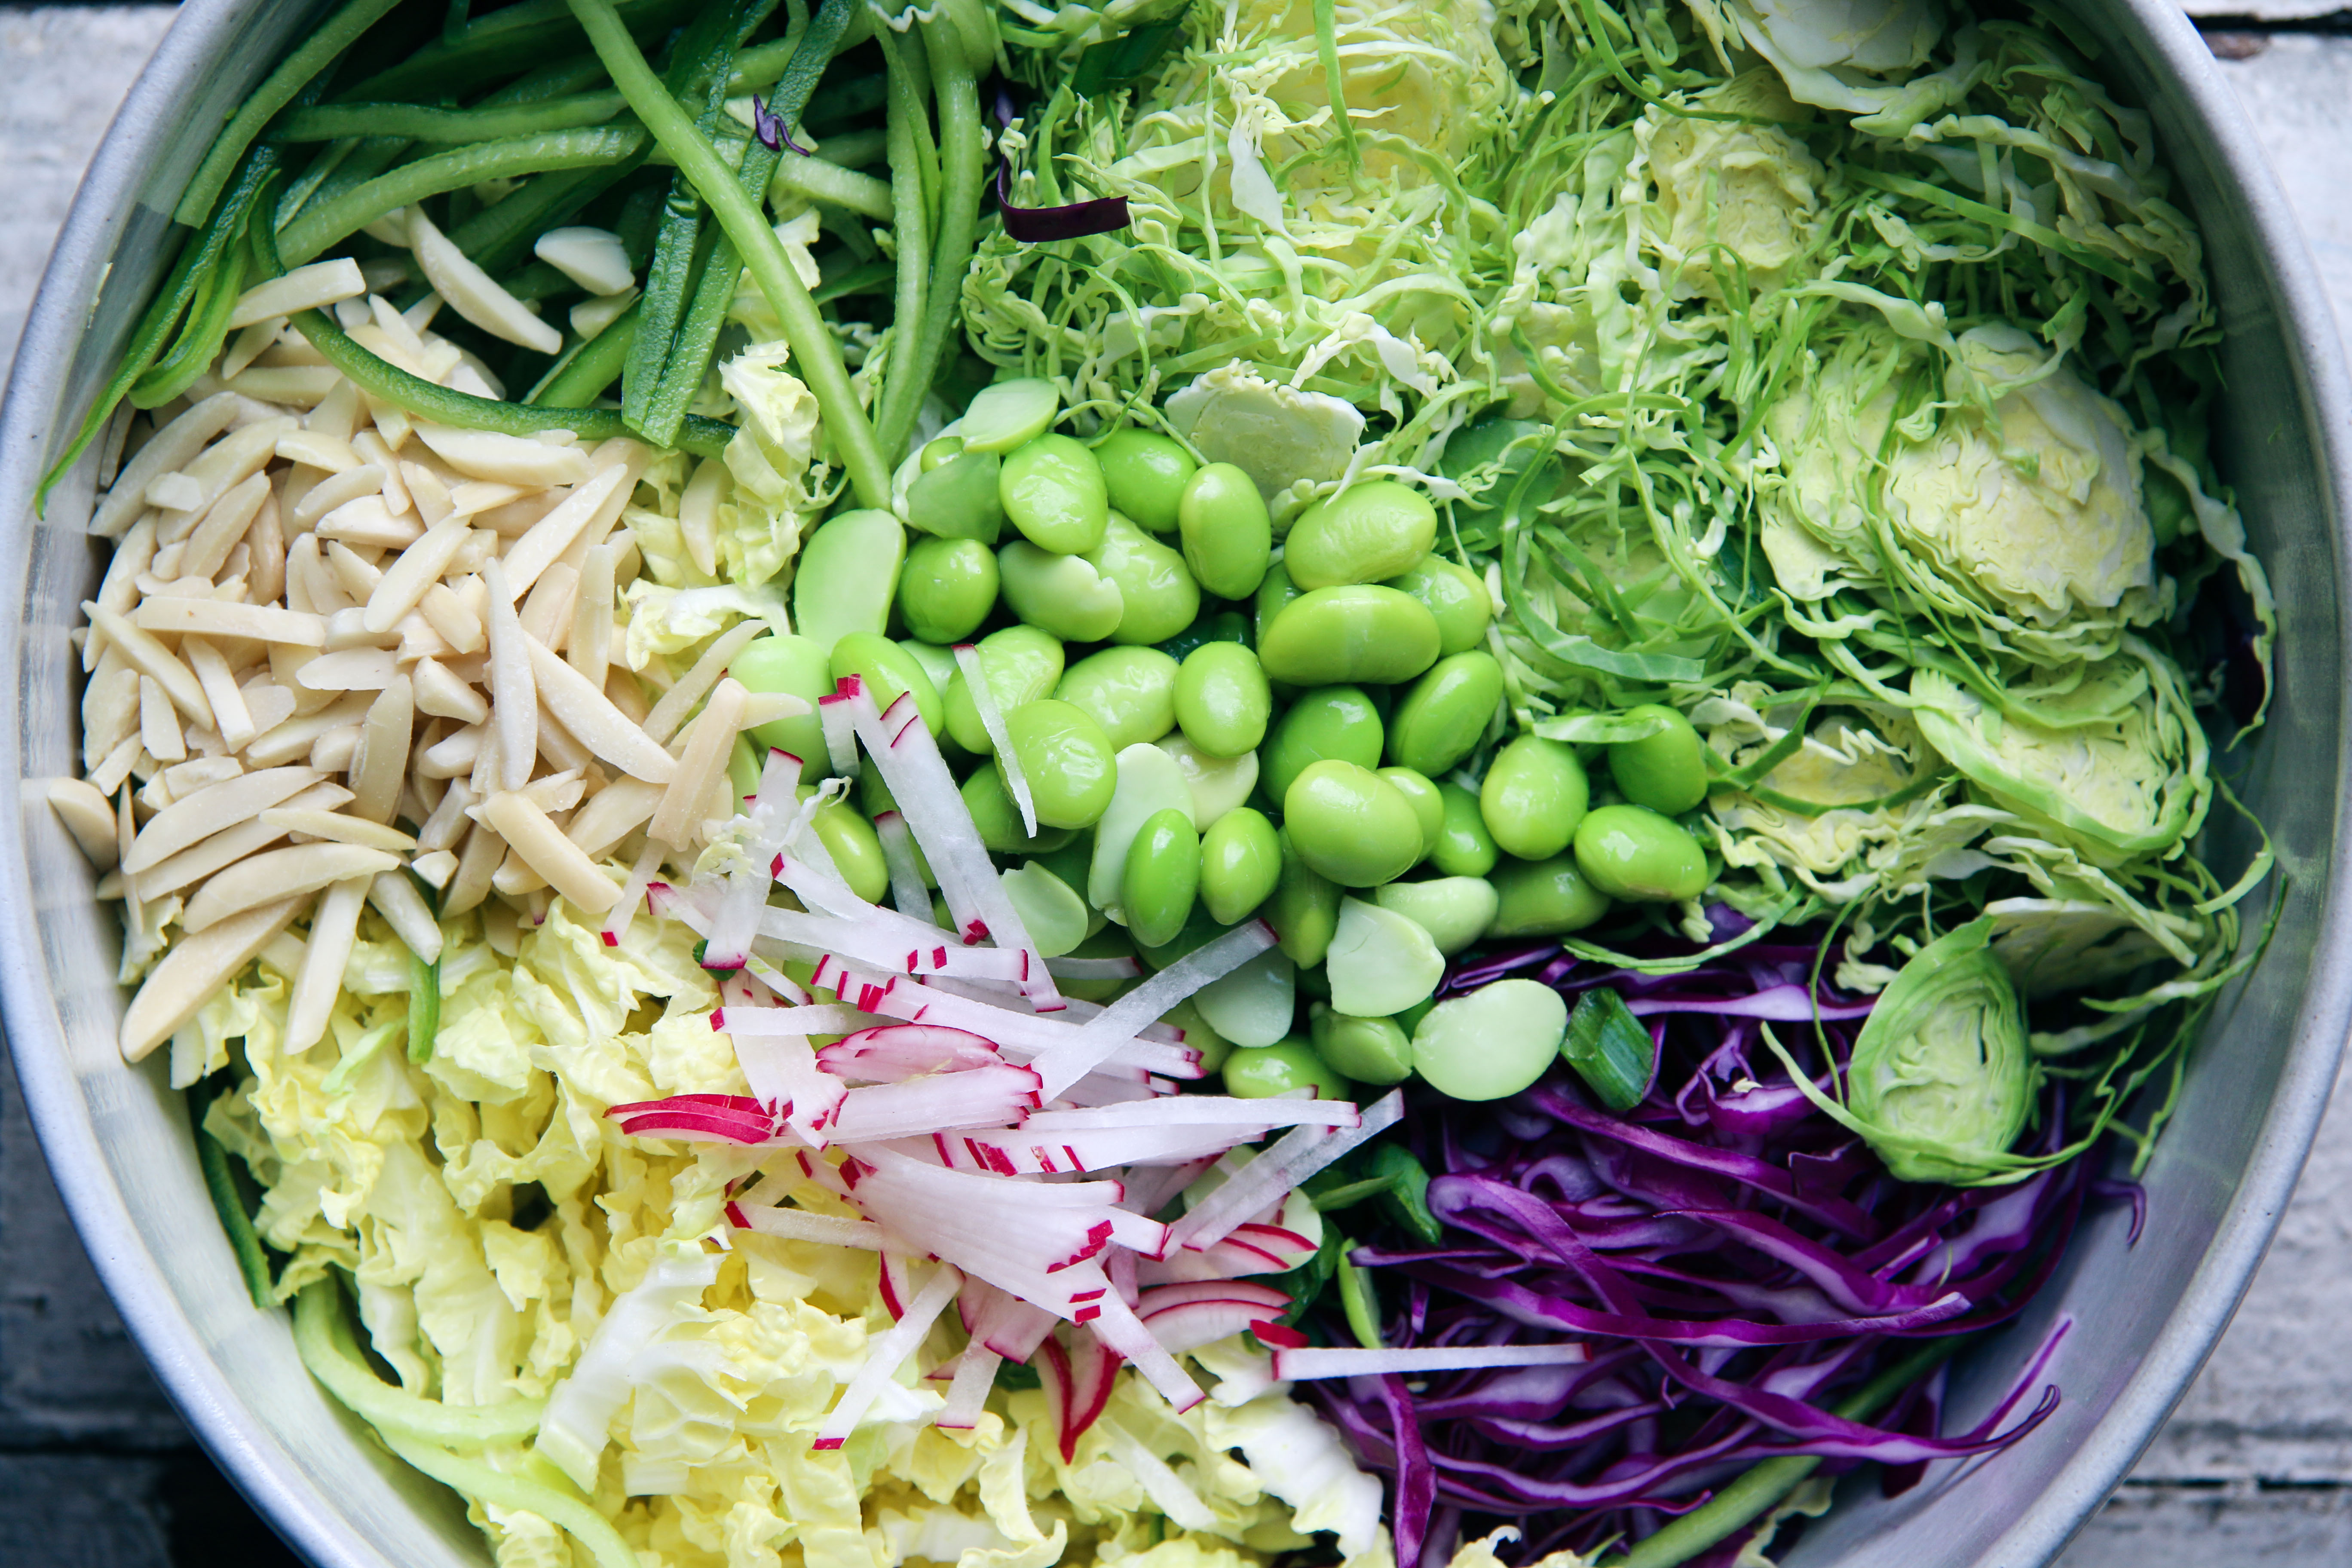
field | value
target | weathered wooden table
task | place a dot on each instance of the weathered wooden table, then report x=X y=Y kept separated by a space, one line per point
x=96 y=1470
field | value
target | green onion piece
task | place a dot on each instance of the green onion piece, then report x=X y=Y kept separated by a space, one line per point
x=423 y=1008
x=276 y=91
x=1348 y=1194
x=330 y=222
x=589 y=368
x=220 y=1184
x=815 y=354
x=1610 y=1050
x=820 y=180
x=1407 y=1202
x=1762 y=1487
x=1360 y=1301
x=453 y=21
x=324 y=1338
x=420 y=123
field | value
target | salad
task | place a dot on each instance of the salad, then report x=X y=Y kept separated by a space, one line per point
x=1187 y=784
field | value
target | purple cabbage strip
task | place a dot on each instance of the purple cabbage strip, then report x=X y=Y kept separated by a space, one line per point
x=1073 y=220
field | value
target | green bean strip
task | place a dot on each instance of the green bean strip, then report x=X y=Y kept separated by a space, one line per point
x=962 y=164
x=810 y=57
x=324 y=1338
x=201 y=339
x=822 y=180
x=758 y=67
x=499 y=237
x=331 y=222
x=512 y=38
x=868 y=278
x=423 y=1008
x=220 y=1184
x=564 y=79
x=698 y=336
x=417 y=122
x=901 y=396
x=816 y=354
x=590 y=367
x=1762 y=1488
x=276 y=91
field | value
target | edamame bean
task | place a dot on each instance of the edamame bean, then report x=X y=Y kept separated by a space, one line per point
x=1257 y=1003
x=1369 y=1050
x=1454 y=595
x=850 y=839
x=1350 y=824
x=889 y=672
x=1221 y=699
x=1334 y=722
x=1364 y=634
x=1455 y=911
x=1492 y=1043
x=1304 y=910
x=1162 y=879
x=1020 y=664
x=1225 y=625
x=1631 y=852
x=939 y=451
x=1050 y=910
x=1380 y=962
x=1053 y=489
x=1009 y=413
x=1464 y=848
x=1261 y=1072
x=1275 y=593
x=1063 y=593
x=847 y=576
x=1447 y=714
x=947 y=588
x=1130 y=692
x=997 y=815
x=1068 y=761
x=960 y=499
x=1218 y=784
x=1146 y=473
x=801 y=667
x=1200 y=1035
x=1665 y=772
x=1158 y=597
x=1228 y=536
x=1366 y=533
x=938 y=662
x=1106 y=942
x=1533 y=798
x=1428 y=806
x=1149 y=783
x=1240 y=864
x=1544 y=897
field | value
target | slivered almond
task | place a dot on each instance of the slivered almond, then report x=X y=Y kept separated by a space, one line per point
x=345 y=487
x=332 y=752
x=357 y=576
x=334 y=926
x=611 y=815
x=340 y=415
x=445 y=696
x=268 y=704
x=514 y=696
x=197 y=965
x=220 y=619
x=159 y=724
x=350 y=669
x=447 y=824
x=477 y=864
x=559 y=745
x=234 y=723
x=224 y=466
x=592 y=614
x=404 y=582
x=227 y=848
x=428 y=492
x=419 y=641
x=211 y=810
x=176 y=443
x=699 y=765
x=304 y=289
x=528 y=829
x=369 y=523
x=448 y=612
x=697 y=514
x=348 y=628
x=318 y=449
x=382 y=765
x=294 y=737
x=295 y=385
x=767 y=707
x=437 y=868
x=550 y=537
x=514 y=877
x=265 y=540
x=369 y=445
x=222 y=526
x=453 y=757
x=117 y=764
x=473 y=497
x=472 y=292
x=185 y=779
x=546 y=610
x=278 y=873
x=153 y=658
x=403 y=909
x=506 y=459
x=337 y=828
x=90 y=818
x=679 y=699
x=593 y=720
x=109 y=708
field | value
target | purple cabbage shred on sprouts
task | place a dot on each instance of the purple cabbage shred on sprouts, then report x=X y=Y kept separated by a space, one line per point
x=1738 y=1262
x=771 y=131
x=1039 y=226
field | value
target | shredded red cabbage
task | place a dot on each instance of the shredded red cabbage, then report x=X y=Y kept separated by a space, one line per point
x=1735 y=1260
x=1074 y=220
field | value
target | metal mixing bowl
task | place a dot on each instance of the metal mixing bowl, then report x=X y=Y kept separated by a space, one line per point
x=2144 y=1316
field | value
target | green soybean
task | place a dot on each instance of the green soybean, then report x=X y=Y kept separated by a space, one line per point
x=1051 y=909
x=1227 y=533
x=1304 y=910
x=1361 y=634
x=1428 y=806
x=1070 y=763
x=1020 y=664
x=1130 y=692
x=800 y=668
x=1366 y=533
x=947 y=588
x=1240 y=864
x=847 y=576
x=1223 y=702
x=857 y=852
x=959 y=499
x=1200 y=1035
x=889 y=672
x=1350 y=824
x=1544 y=897
x=1492 y=1043
x=1158 y=597
x=1225 y=625
x=1218 y=784
x=939 y=452
x=1455 y=911
x=1051 y=490
x=1454 y=596
x=1380 y=962
x=1369 y=1050
x=1261 y=1072
x=1106 y=942
x=1464 y=848
x=1064 y=594
x=1147 y=473
x=1332 y=721
x=997 y=817
x=1667 y=771
x=1009 y=415
x=1447 y=714
x=1633 y=853
x=937 y=661
x=1162 y=879
x=1533 y=796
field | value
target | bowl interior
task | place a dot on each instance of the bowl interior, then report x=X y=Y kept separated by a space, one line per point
x=2143 y=1316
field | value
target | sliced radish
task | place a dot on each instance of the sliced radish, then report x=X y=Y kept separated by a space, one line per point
x=1095 y=968
x=799 y=1224
x=887 y=1353
x=895 y=1052
x=1116 y=1326
x=836 y=713
x=1266 y=1179
x=1077 y=1370
x=906 y=890
x=1103 y=1037
x=619 y=918
x=774 y=813
x=992 y=719
x=975 y=1375
x=988 y=1096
